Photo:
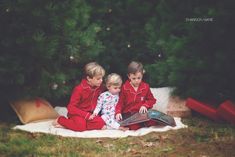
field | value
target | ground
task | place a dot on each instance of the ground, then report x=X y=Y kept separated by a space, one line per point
x=202 y=138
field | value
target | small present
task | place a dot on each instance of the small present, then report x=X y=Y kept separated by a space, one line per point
x=227 y=111
x=203 y=108
x=177 y=107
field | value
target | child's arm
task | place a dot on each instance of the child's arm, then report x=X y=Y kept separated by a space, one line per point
x=118 y=108
x=99 y=105
x=150 y=100
x=72 y=107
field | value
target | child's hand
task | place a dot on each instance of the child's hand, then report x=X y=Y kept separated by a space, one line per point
x=95 y=114
x=118 y=117
x=143 y=109
x=92 y=116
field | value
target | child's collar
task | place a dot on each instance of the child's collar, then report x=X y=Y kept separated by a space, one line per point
x=128 y=86
x=86 y=85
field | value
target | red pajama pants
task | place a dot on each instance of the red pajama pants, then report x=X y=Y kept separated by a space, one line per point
x=143 y=124
x=78 y=123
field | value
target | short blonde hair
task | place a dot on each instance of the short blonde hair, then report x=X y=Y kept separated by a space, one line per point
x=93 y=69
x=113 y=79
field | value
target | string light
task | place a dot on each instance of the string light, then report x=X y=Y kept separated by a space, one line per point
x=110 y=10
x=159 y=55
x=71 y=58
x=54 y=86
x=108 y=29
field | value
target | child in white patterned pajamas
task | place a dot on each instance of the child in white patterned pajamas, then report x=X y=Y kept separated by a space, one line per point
x=108 y=100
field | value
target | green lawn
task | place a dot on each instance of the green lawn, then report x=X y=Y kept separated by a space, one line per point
x=203 y=138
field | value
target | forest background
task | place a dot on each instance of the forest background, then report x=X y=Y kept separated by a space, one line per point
x=188 y=45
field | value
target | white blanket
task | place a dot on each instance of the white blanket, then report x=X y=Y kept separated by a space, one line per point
x=161 y=94
x=47 y=127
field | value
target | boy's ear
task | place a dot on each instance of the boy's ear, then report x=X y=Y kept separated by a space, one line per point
x=88 y=78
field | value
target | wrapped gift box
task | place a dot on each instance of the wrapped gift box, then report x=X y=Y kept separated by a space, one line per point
x=203 y=108
x=227 y=111
x=177 y=107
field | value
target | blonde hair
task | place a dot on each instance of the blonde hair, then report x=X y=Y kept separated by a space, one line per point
x=93 y=69
x=113 y=79
x=135 y=67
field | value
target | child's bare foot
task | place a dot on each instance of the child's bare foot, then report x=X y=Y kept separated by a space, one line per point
x=56 y=124
x=123 y=128
x=104 y=127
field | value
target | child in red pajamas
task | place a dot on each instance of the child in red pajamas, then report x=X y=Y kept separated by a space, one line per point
x=83 y=101
x=135 y=96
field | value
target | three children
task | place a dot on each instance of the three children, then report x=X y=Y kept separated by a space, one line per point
x=84 y=105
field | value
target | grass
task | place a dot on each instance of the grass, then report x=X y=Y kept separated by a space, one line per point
x=203 y=138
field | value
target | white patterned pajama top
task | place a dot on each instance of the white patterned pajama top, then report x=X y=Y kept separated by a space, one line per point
x=106 y=104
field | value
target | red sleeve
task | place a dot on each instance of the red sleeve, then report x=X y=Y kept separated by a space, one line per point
x=73 y=108
x=118 y=108
x=150 y=100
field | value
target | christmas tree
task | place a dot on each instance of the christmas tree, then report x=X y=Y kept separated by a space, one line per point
x=44 y=44
x=196 y=39
x=123 y=33
x=184 y=44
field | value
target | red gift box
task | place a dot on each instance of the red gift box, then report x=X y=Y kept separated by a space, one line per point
x=227 y=111
x=203 y=108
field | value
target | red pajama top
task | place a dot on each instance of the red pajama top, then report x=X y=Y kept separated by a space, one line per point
x=130 y=100
x=83 y=100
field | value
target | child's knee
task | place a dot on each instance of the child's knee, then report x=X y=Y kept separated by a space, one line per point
x=151 y=123
x=134 y=127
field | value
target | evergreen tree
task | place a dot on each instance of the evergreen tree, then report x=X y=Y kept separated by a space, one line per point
x=196 y=39
x=44 y=44
x=185 y=44
x=122 y=32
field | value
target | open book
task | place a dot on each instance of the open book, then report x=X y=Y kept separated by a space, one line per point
x=150 y=115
